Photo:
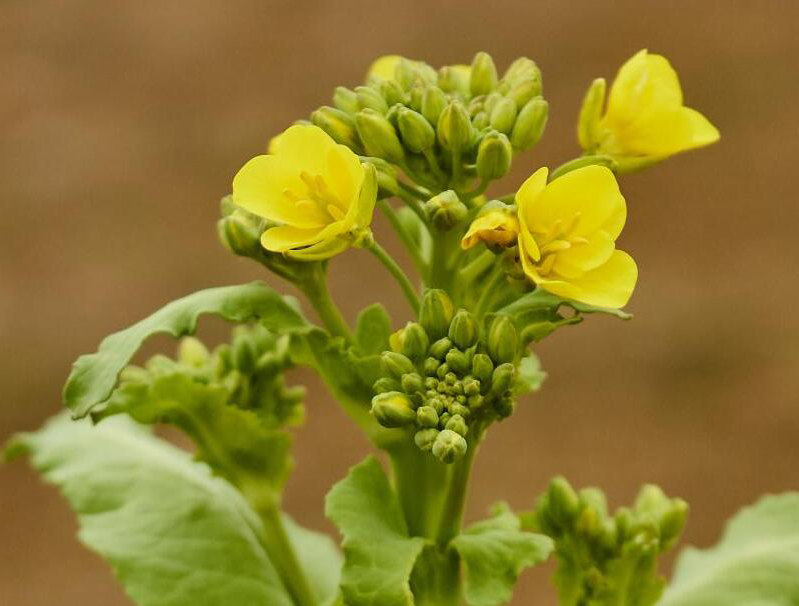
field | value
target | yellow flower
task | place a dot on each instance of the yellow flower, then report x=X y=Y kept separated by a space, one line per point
x=496 y=227
x=316 y=189
x=645 y=115
x=383 y=67
x=567 y=238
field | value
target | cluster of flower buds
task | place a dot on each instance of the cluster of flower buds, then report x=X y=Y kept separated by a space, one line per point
x=441 y=376
x=441 y=127
x=250 y=368
x=597 y=546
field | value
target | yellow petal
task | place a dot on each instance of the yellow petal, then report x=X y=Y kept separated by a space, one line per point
x=580 y=258
x=259 y=187
x=383 y=67
x=285 y=237
x=321 y=250
x=609 y=285
x=645 y=84
x=343 y=175
x=305 y=147
x=532 y=187
x=496 y=227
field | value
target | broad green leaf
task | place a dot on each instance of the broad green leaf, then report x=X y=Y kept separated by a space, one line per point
x=372 y=330
x=378 y=553
x=756 y=563
x=94 y=375
x=494 y=552
x=174 y=534
x=236 y=443
x=319 y=557
x=530 y=376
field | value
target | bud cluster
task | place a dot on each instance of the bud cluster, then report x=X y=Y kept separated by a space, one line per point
x=441 y=377
x=595 y=545
x=425 y=120
x=250 y=369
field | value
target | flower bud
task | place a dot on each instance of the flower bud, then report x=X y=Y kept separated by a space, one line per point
x=458 y=361
x=378 y=136
x=503 y=340
x=650 y=499
x=415 y=98
x=393 y=409
x=590 y=114
x=449 y=446
x=454 y=79
x=463 y=329
x=496 y=226
x=392 y=92
x=480 y=121
x=502 y=378
x=494 y=156
x=339 y=125
x=417 y=133
x=411 y=341
x=563 y=502
x=530 y=124
x=454 y=127
x=484 y=74
x=370 y=98
x=244 y=354
x=520 y=69
x=503 y=115
x=384 y=384
x=386 y=177
x=457 y=424
x=425 y=438
x=412 y=383
x=346 y=100
x=431 y=366
x=240 y=232
x=435 y=315
x=434 y=100
x=482 y=368
x=193 y=352
x=445 y=210
x=504 y=406
x=672 y=523
x=395 y=364
x=524 y=90
x=426 y=416
x=440 y=348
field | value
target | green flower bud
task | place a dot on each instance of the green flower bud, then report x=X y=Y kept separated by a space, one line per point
x=440 y=348
x=503 y=115
x=480 y=121
x=346 y=100
x=441 y=373
x=650 y=499
x=590 y=114
x=483 y=77
x=435 y=315
x=449 y=446
x=504 y=407
x=385 y=384
x=494 y=156
x=417 y=133
x=475 y=402
x=392 y=92
x=672 y=523
x=445 y=210
x=471 y=386
x=460 y=409
x=415 y=98
x=240 y=232
x=430 y=366
x=530 y=124
x=370 y=98
x=393 y=409
x=454 y=127
x=426 y=416
x=502 y=378
x=482 y=368
x=624 y=523
x=411 y=341
x=524 y=90
x=244 y=354
x=378 y=136
x=563 y=502
x=191 y=351
x=386 y=177
x=454 y=79
x=457 y=424
x=463 y=329
x=339 y=125
x=434 y=100
x=520 y=69
x=458 y=361
x=395 y=364
x=425 y=438
x=412 y=383
x=503 y=340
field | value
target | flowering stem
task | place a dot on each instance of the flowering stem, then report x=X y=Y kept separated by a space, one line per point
x=433 y=162
x=315 y=289
x=409 y=196
x=489 y=292
x=395 y=270
x=407 y=239
x=477 y=191
x=476 y=267
x=455 y=499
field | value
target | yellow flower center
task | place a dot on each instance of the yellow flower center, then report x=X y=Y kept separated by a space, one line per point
x=317 y=197
x=556 y=238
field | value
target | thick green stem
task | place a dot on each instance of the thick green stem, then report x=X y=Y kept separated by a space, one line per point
x=407 y=239
x=419 y=479
x=315 y=289
x=469 y=273
x=396 y=271
x=455 y=499
x=283 y=557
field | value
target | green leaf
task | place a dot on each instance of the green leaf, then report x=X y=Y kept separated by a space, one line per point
x=174 y=534
x=756 y=563
x=94 y=375
x=378 y=553
x=494 y=552
x=319 y=557
x=236 y=443
x=530 y=376
x=372 y=330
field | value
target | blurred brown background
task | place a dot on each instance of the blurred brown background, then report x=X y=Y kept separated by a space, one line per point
x=122 y=123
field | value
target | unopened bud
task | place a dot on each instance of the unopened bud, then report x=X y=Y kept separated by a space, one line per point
x=385 y=384
x=458 y=361
x=412 y=383
x=392 y=92
x=411 y=341
x=370 y=98
x=240 y=232
x=395 y=364
x=651 y=499
x=430 y=366
x=449 y=446
x=244 y=354
x=427 y=416
x=346 y=100
x=457 y=424
x=563 y=502
x=463 y=329
x=445 y=210
x=672 y=523
x=482 y=368
x=415 y=98
x=530 y=124
x=480 y=121
x=440 y=348
x=434 y=100
x=484 y=74
x=435 y=315
x=454 y=79
x=339 y=125
x=386 y=177
x=417 y=133
x=393 y=409
x=524 y=90
x=454 y=127
x=503 y=115
x=425 y=438
x=502 y=378
x=522 y=68
x=503 y=340
x=494 y=156
x=590 y=115
x=191 y=351
x=378 y=136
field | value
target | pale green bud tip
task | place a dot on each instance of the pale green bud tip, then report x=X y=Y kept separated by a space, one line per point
x=502 y=378
x=503 y=115
x=457 y=424
x=494 y=156
x=417 y=133
x=240 y=233
x=345 y=100
x=503 y=339
x=378 y=136
x=483 y=78
x=434 y=100
x=445 y=210
x=395 y=364
x=463 y=329
x=393 y=409
x=454 y=128
x=436 y=313
x=672 y=523
x=530 y=124
x=449 y=446
x=426 y=416
x=563 y=501
x=411 y=341
x=193 y=352
x=590 y=115
x=370 y=98
x=425 y=438
x=339 y=125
